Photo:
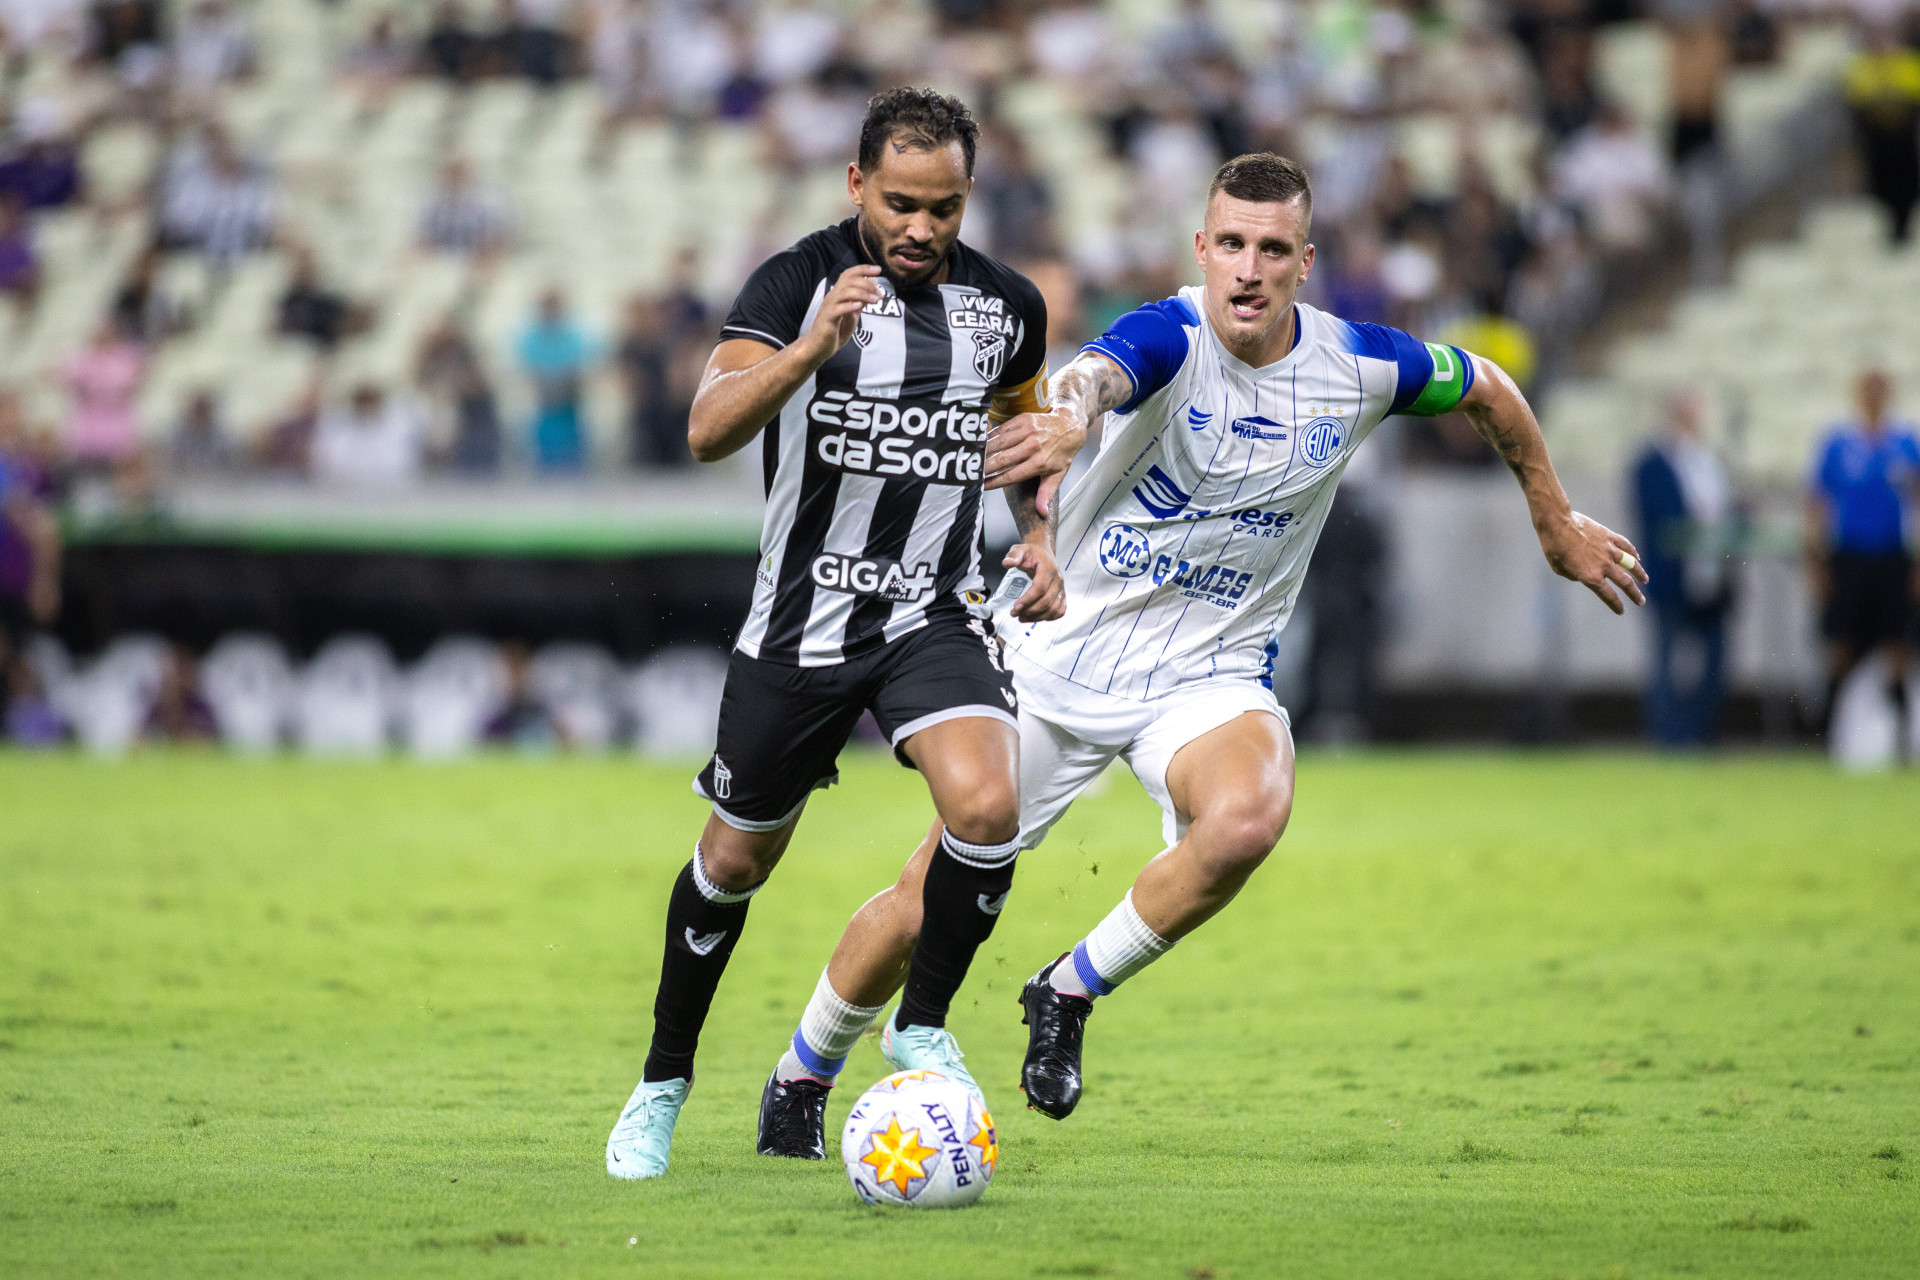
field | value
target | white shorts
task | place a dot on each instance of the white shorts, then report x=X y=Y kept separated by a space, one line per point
x=1069 y=734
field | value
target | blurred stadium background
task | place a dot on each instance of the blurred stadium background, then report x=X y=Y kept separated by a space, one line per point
x=352 y=340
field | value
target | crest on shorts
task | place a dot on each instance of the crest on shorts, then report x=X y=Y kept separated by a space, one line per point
x=989 y=354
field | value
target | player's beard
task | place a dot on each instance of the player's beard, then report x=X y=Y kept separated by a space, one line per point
x=870 y=241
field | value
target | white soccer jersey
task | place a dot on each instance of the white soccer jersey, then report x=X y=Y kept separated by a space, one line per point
x=1184 y=544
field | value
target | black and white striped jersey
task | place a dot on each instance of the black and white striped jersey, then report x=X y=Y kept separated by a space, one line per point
x=874 y=500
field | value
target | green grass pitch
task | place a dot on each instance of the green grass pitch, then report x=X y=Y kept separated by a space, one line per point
x=1561 y=1015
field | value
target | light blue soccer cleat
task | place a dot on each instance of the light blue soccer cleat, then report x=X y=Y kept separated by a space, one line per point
x=926 y=1049
x=637 y=1147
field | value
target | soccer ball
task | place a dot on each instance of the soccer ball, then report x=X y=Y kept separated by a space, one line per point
x=922 y=1139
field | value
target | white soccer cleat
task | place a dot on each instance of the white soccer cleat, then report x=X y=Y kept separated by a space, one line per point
x=926 y=1049
x=638 y=1146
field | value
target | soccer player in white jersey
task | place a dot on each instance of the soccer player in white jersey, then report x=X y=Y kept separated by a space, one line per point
x=1232 y=411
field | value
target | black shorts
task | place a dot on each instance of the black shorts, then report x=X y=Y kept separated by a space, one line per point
x=782 y=727
x=1869 y=598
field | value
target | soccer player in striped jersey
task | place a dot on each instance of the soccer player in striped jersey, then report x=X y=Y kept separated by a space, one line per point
x=876 y=355
x=1231 y=412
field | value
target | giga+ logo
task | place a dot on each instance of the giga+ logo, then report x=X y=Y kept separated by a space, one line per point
x=872 y=576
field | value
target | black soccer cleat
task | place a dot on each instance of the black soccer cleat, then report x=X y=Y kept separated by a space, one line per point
x=793 y=1119
x=1056 y=1025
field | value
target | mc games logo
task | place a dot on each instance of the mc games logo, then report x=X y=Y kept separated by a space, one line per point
x=1214 y=583
x=925 y=440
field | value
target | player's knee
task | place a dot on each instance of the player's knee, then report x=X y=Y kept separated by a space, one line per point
x=1241 y=836
x=733 y=867
x=987 y=812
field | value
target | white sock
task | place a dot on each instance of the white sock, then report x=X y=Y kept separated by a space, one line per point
x=828 y=1030
x=1119 y=947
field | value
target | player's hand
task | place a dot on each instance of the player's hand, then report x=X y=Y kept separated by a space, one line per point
x=1046 y=599
x=1031 y=445
x=1596 y=557
x=839 y=315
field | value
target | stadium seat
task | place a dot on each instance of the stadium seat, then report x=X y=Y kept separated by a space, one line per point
x=673 y=699
x=575 y=683
x=451 y=694
x=347 y=699
x=248 y=684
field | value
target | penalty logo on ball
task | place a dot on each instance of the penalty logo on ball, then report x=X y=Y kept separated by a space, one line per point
x=919 y=1138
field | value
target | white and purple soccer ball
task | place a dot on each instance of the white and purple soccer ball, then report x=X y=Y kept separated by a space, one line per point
x=921 y=1139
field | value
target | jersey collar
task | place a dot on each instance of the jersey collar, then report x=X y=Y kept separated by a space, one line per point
x=1238 y=365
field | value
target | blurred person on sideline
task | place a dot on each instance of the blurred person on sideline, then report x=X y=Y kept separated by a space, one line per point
x=1883 y=89
x=1615 y=177
x=19 y=263
x=218 y=203
x=447 y=50
x=556 y=353
x=104 y=379
x=286 y=447
x=43 y=173
x=1684 y=502
x=374 y=442
x=309 y=309
x=540 y=40
x=142 y=308
x=212 y=46
x=375 y=66
x=1866 y=475
x=449 y=373
x=656 y=419
x=522 y=722
x=179 y=712
x=461 y=216
x=199 y=445
x=29 y=567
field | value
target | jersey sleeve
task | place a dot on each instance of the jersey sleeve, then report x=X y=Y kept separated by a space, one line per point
x=1433 y=377
x=1824 y=481
x=773 y=302
x=1150 y=343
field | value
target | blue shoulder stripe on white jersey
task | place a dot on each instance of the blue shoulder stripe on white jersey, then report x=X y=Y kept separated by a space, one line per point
x=1150 y=343
x=1403 y=350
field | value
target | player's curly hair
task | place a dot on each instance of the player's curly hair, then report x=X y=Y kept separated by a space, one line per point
x=1263 y=178
x=918 y=120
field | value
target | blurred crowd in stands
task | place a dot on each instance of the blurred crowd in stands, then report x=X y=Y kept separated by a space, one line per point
x=1512 y=256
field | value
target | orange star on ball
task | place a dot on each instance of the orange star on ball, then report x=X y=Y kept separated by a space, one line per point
x=987 y=1140
x=897 y=1156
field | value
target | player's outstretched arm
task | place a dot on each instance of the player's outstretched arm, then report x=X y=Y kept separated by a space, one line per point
x=1033 y=555
x=746 y=382
x=1041 y=446
x=1583 y=550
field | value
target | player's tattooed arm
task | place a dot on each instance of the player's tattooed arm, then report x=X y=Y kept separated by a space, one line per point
x=746 y=382
x=1577 y=548
x=1033 y=555
x=1041 y=446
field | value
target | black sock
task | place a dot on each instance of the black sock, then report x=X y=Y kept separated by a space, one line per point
x=703 y=924
x=965 y=888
